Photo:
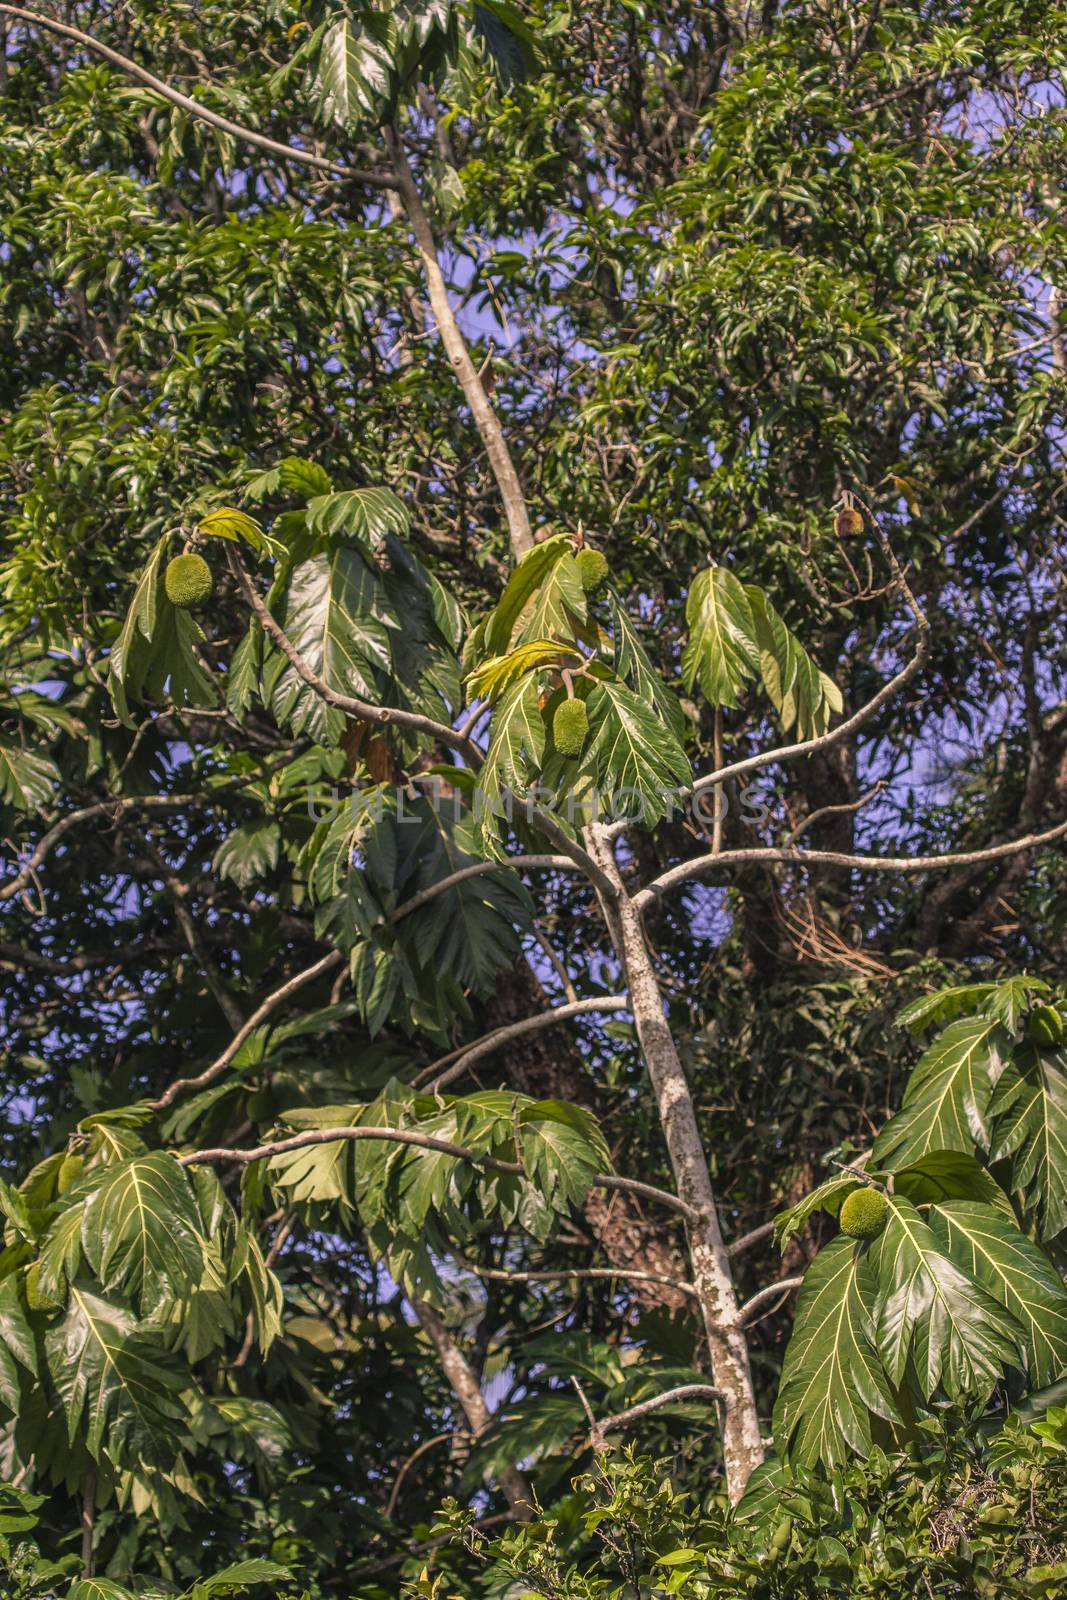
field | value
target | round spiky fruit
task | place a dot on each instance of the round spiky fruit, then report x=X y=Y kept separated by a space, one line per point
x=1046 y=1025
x=187 y=581
x=848 y=523
x=35 y=1298
x=569 y=727
x=70 y=1171
x=592 y=568
x=863 y=1213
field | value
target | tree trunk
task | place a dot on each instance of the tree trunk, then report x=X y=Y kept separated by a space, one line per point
x=552 y=1069
x=468 y=1391
x=727 y=1345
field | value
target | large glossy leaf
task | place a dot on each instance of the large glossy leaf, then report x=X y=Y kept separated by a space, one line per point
x=237 y=526
x=238 y=1578
x=827 y=1196
x=18 y=1350
x=527 y=1432
x=1029 y=1122
x=948 y=1095
x=932 y=1318
x=634 y=666
x=562 y=1151
x=950 y=1175
x=558 y=608
x=516 y=747
x=639 y=763
x=362 y=514
x=472 y=931
x=337 y=618
x=121 y=1388
x=493 y=636
x=1006 y=1000
x=142 y=615
x=141 y=1230
x=354 y=73
x=26 y=777
x=721 y=653
x=489 y=681
x=991 y=1249
x=252 y=1432
x=509 y=42
x=321 y=1172
x=99 y=1589
x=832 y=1379
x=155 y=653
x=803 y=696
x=248 y=853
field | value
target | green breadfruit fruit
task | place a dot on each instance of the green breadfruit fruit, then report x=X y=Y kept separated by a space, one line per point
x=569 y=727
x=592 y=568
x=780 y=1539
x=35 y=1298
x=1046 y=1025
x=863 y=1213
x=71 y=1170
x=187 y=581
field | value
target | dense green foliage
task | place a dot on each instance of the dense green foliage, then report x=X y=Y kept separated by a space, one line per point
x=934 y=1521
x=766 y=301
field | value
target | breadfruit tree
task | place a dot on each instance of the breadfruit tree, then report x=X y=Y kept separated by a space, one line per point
x=532 y=616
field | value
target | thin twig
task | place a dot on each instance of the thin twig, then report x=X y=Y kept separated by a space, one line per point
x=427 y=1444
x=289 y=987
x=555 y=963
x=475 y=870
x=835 y=811
x=498 y=1274
x=747 y=1240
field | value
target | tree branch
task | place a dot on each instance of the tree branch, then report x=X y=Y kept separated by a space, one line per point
x=263 y=1011
x=312 y=1136
x=763 y=1296
x=117 y=808
x=422 y=1141
x=485 y=418
x=499 y=1275
x=475 y=870
x=382 y=715
x=464 y=1056
x=427 y=1444
x=832 y=858
x=825 y=741
x=216 y=983
x=113 y=808
x=468 y=1391
x=374 y=180
x=335 y=958
x=626 y=1419
x=747 y=1240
